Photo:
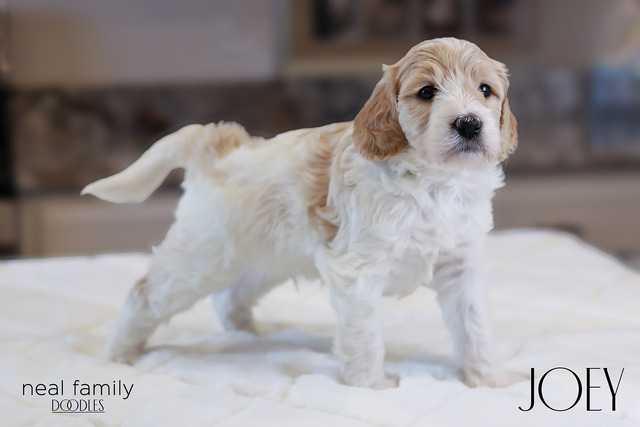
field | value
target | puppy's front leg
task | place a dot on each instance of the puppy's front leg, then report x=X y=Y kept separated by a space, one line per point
x=358 y=340
x=459 y=281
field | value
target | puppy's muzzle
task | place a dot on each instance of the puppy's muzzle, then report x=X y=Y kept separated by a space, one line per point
x=468 y=126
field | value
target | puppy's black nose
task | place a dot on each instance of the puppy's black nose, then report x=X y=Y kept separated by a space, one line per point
x=468 y=126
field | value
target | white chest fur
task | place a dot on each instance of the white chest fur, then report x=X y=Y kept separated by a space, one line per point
x=397 y=226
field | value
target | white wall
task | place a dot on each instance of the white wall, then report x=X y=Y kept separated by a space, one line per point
x=99 y=42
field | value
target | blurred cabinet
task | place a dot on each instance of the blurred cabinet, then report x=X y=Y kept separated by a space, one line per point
x=602 y=209
x=74 y=225
x=8 y=221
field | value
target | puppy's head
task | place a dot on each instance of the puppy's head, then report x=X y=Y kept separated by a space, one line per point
x=447 y=100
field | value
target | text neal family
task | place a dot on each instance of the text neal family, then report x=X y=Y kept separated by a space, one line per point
x=115 y=388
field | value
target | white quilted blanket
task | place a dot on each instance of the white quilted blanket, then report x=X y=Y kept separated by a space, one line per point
x=554 y=301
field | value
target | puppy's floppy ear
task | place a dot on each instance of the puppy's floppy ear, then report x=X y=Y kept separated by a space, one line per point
x=508 y=131
x=376 y=130
x=508 y=123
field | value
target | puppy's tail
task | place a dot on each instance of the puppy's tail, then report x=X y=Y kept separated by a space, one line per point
x=192 y=144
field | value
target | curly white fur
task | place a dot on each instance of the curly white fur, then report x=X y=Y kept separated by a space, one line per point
x=374 y=207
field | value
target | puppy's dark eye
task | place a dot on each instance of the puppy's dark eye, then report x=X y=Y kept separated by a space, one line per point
x=485 y=89
x=427 y=92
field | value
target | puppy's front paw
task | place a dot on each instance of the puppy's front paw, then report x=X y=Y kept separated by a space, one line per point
x=391 y=380
x=388 y=380
x=495 y=379
x=120 y=354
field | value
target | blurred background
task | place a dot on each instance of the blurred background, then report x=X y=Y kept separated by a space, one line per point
x=86 y=87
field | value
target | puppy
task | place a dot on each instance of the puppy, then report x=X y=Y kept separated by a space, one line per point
x=396 y=199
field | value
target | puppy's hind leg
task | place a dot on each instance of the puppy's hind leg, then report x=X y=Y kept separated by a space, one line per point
x=135 y=324
x=233 y=305
x=165 y=291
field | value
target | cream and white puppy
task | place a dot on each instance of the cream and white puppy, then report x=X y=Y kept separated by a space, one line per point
x=396 y=199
